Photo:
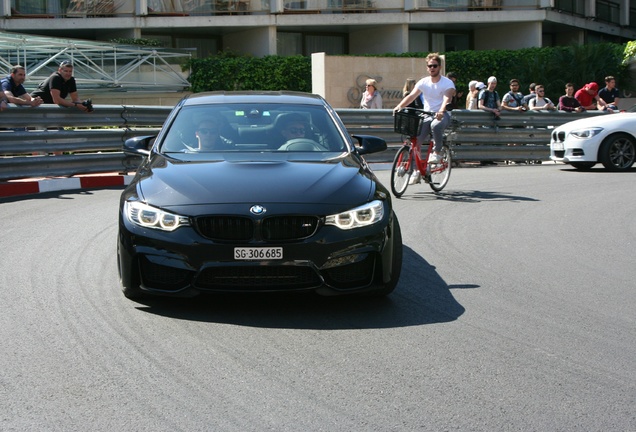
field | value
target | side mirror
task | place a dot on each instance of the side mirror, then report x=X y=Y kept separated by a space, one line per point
x=139 y=146
x=368 y=144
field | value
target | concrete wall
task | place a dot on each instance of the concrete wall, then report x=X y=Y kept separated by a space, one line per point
x=340 y=79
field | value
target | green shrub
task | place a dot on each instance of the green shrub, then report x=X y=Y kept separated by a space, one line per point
x=232 y=72
x=552 y=67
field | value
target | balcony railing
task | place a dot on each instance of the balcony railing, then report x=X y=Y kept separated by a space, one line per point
x=607 y=11
x=108 y=8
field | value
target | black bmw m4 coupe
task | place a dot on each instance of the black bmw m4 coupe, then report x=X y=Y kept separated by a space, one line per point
x=256 y=192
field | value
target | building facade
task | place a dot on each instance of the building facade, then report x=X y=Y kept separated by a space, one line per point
x=302 y=27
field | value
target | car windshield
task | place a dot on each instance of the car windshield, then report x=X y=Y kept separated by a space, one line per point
x=252 y=127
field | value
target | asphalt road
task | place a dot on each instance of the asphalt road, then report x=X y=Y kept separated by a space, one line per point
x=516 y=311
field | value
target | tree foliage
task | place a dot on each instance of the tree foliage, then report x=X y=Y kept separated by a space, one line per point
x=233 y=72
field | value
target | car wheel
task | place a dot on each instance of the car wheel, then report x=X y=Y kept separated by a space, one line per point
x=583 y=166
x=617 y=152
x=396 y=264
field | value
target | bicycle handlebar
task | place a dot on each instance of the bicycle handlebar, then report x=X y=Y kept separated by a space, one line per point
x=430 y=113
x=420 y=110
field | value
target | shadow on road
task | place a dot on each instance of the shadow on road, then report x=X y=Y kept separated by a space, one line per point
x=464 y=196
x=422 y=297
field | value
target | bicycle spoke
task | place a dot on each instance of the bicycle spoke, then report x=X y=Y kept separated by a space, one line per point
x=401 y=172
x=440 y=173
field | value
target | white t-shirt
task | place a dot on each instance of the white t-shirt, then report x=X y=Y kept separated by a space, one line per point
x=433 y=93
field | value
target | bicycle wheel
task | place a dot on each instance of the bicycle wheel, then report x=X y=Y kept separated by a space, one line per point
x=401 y=172
x=440 y=173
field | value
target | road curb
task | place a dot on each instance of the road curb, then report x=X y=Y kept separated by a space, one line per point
x=31 y=187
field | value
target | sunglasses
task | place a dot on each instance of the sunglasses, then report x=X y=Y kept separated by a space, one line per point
x=296 y=130
x=432 y=66
x=206 y=131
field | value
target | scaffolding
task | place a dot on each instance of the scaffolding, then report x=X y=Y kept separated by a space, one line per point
x=97 y=66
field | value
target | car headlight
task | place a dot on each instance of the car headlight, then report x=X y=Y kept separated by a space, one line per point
x=586 y=133
x=362 y=216
x=151 y=217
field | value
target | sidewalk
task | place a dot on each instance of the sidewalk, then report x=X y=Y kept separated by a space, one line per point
x=41 y=185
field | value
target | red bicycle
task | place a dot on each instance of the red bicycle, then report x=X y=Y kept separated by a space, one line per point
x=410 y=162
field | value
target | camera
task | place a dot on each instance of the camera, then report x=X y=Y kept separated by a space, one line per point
x=88 y=104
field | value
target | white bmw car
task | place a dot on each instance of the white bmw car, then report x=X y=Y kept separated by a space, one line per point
x=609 y=139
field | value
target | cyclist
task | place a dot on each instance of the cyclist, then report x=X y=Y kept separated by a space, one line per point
x=437 y=92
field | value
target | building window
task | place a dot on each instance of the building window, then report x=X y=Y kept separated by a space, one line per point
x=288 y=43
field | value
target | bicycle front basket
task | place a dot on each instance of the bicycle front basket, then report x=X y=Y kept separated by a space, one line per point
x=407 y=123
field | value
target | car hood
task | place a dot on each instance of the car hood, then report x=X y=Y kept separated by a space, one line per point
x=622 y=121
x=168 y=183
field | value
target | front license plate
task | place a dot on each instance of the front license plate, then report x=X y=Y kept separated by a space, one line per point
x=258 y=253
x=557 y=146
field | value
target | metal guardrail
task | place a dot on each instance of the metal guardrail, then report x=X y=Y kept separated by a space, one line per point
x=52 y=141
x=476 y=135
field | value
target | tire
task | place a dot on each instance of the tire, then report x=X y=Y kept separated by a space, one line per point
x=617 y=152
x=583 y=166
x=396 y=263
x=401 y=171
x=440 y=173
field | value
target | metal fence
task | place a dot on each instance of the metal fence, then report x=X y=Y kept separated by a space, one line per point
x=52 y=141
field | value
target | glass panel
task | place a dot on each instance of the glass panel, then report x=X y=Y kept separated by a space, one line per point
x=253 y=127
x=329 y=44
x=289 y=44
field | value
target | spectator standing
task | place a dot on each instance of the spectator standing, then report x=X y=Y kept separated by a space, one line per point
x=454 y=104
x=489 y=98
x=472 y=97
x=568 y=102
x=540 y=102
x=58 y=86
x=409 y=84
x=610 y=94
x=531 y=95
x=513 y=100
x=371 y=98
x=13 y=90
x=588 y=96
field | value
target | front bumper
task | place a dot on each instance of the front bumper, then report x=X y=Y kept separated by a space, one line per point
x=183 y=263
x=565 y=148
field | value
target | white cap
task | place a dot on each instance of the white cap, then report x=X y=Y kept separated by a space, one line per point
x=480 y=85
x=492 y=79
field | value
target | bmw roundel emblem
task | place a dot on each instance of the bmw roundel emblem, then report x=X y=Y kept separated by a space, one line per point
x=257 y=209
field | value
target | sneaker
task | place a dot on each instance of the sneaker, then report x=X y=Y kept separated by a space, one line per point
x=434 y=158
x=415 y=178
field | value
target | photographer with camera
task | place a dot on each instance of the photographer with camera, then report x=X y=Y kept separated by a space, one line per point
x=58 y=86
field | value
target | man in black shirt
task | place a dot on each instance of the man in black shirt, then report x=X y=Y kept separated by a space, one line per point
x=58 y=86
x=610 y=94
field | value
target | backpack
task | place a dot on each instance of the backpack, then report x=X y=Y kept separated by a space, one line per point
x=516 y=97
